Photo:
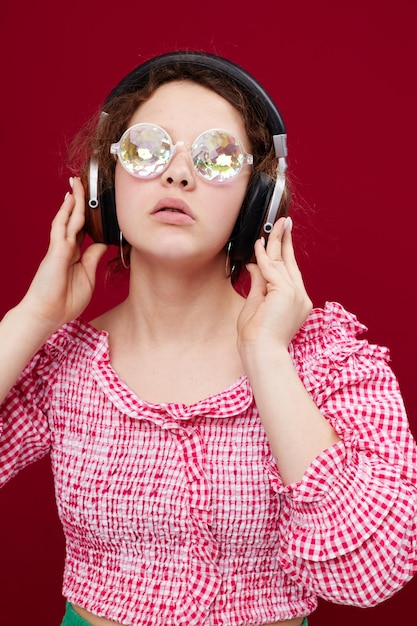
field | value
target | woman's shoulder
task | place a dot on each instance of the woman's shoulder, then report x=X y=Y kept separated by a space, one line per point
x=333 y=329
x=331 y=343
x=76 y=332
x=75 y=342
x=327 y=319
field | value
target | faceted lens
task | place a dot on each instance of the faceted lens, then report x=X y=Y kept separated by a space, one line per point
x=217 y=156
x=145 y=150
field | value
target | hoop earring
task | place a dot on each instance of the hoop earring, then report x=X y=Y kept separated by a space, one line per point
x=229 y=268
x=122 y=256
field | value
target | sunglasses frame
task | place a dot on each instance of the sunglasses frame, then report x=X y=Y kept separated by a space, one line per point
x=115 y=148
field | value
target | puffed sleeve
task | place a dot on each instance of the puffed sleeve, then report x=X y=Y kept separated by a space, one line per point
x=350 y=525
x=24 y=430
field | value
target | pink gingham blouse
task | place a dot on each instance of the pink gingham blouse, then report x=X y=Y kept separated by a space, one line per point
x=176 y=515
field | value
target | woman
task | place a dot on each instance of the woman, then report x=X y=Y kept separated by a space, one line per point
x=218 y=458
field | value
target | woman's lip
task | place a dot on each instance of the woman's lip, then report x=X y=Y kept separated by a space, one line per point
x=175 y=218
x=179 y=207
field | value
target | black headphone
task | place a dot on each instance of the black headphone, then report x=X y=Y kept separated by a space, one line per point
x=260 y=208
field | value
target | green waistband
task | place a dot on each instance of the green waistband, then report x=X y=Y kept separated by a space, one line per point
x=71 y=618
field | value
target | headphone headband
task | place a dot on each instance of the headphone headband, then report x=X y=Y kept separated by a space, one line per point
x=138 y=77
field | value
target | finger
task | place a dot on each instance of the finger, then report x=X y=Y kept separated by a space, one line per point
x=287 y=243
x=288 y=253
x=77 y=215
x=272 y=269
x=282 y=271
x=257 y=283
x=70 y=218
x=60 y=221
x=274 y=245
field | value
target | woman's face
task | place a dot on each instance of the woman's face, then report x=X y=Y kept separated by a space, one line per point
x=179 y=216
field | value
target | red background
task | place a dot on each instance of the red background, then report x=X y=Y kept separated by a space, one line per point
x=344 y=78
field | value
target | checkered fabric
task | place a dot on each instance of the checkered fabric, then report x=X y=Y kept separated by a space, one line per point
x=176 y=515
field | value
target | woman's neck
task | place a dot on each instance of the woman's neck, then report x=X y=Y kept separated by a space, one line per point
x=174 y=339
x=172 y=306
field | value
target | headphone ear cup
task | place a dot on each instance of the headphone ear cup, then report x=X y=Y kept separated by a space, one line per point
x=252 y=217
x=101 y=221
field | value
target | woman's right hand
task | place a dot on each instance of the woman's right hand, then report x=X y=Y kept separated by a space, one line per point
x=60 y=291
x=65 y=280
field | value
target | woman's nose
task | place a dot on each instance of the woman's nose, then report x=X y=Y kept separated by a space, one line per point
x=180 y=170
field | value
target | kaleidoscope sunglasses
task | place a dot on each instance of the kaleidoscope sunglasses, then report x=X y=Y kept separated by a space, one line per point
x=145 y=151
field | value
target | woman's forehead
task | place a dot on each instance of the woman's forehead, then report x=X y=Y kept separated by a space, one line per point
x=179 y=104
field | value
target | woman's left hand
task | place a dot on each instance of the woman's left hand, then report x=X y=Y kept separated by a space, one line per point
x=277 y=303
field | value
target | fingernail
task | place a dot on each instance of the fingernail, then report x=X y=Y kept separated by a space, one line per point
x=66 y=195
x=288 y=224
x=71 y=182
x=263 y=241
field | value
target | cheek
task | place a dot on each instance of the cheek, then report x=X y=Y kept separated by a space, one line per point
x=223 y=211
x=228 y=209
x=127 y=192
x=120 y=188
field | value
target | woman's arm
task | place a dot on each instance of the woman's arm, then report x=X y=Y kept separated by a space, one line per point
x=276 y=307
x=60 y=291
x=345 y=463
